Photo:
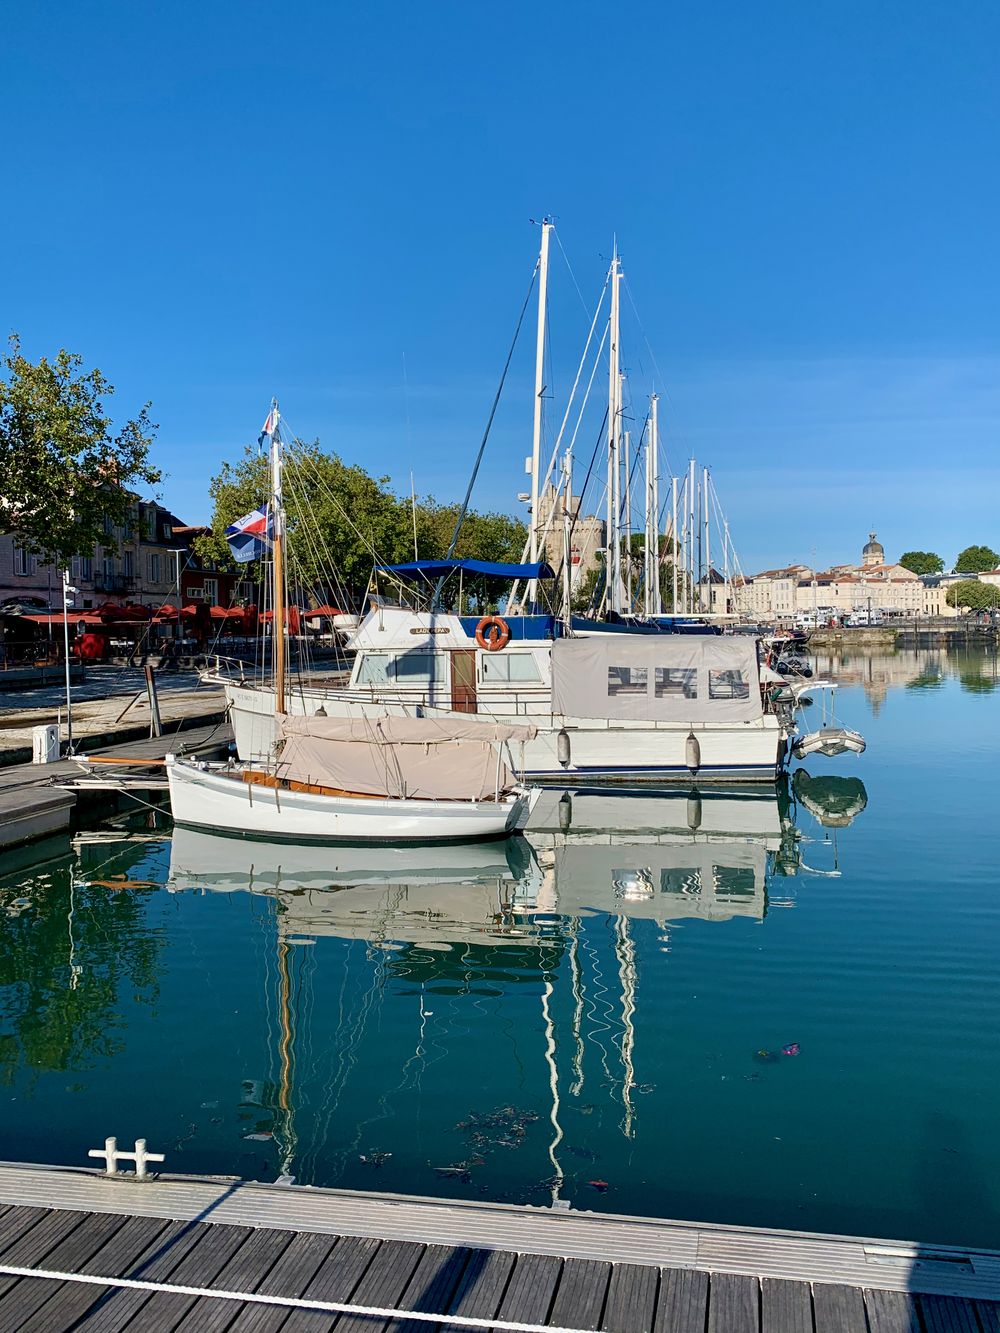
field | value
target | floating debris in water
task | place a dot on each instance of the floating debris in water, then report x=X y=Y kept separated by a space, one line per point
x=458 y=1172
x=375 y=1159
x=644 y=1088
x=503 y=1128
x=258 y=1138
x=793 y=1048
x=600 y=1185
x=588 y=1109
x=209 y=1106
x=765 y=1057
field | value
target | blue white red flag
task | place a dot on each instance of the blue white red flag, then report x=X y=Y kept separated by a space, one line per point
x=270 y=425
x=249 y=537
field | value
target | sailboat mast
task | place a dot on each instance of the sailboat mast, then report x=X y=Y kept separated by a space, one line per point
x=568 y=516
x=692 y=511
x=654 y=605
x=536 y=434
x=675 y=554
x=278 y=563
x=708 y=550
x=627 y=522
x=612 y=570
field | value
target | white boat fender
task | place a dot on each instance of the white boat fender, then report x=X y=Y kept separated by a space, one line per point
x=694 y=811
x=565 y=812
x=563 y=749
x=692 y=752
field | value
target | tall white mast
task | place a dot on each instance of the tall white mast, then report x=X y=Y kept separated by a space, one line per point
x=708 y=552
x=692 y=500
x=613 y=552
x=567 y=469
x=653 y=603
x=536 y=434
x=675 y=555
x=627 y=520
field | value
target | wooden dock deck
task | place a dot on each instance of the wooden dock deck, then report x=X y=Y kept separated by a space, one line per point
x=231 y=1256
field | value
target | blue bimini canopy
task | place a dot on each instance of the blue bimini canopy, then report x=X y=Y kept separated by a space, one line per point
x=431 y=570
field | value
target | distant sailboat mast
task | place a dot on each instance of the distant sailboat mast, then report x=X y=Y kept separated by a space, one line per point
x=651 y=599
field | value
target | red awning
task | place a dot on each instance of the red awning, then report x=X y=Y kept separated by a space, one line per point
x=227 y=612
x=55 y=618
x=314 y=611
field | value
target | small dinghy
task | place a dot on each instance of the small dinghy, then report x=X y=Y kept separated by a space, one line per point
x=831 y=741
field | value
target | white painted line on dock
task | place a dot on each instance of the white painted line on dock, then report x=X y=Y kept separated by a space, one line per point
x=288 y=1302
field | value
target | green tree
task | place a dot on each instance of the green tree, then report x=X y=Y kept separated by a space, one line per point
x=976 y=559
x=341 y=519
x=971 y=595
x=62 y=465
x=922 y=562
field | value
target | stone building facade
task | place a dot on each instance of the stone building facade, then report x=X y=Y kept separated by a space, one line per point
x=139 y=562
x=872 y=585
x=587 y=538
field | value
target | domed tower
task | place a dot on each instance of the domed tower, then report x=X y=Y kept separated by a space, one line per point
x=874 y=552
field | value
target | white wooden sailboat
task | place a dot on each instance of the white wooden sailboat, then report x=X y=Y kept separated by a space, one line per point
x=369 y=779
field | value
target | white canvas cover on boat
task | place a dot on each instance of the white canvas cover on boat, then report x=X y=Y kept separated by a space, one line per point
x=657 y=678
x=415 y=758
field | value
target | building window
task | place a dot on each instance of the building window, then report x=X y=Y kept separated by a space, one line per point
x=109 y=570
x=23 y=562
x=109 y=527
x=127 y=564
x=674 y=682
x=626 y=680
x=210 y=591
x=86 y=567
x=154 y=569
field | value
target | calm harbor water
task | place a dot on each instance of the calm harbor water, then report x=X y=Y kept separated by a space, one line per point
x=780 y=1009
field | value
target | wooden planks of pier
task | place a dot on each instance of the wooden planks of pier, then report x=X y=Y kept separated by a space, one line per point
x=547 y=1283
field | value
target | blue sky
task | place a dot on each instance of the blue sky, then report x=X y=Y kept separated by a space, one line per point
x=218 y=201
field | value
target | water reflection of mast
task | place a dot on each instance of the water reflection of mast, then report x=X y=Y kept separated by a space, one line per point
x=550 y=1060
x=625 y=953
x=290 y=1142
x=578 y=1047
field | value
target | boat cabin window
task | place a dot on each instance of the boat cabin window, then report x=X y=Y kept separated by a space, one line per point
x=626 y=680
x=421 y=668
x=509 y=666
x=675 y=682
x=728 y=685
x=374 y=669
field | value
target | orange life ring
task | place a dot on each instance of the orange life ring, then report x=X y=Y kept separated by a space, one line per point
x=493 y=633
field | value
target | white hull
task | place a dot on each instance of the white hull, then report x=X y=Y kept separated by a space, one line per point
x=603 y=752
x=212 y=798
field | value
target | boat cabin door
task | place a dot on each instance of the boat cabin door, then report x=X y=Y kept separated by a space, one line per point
x=463 y=680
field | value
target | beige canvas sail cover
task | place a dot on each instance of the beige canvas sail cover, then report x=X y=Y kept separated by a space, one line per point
x=657 y=678
x=417 y=758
